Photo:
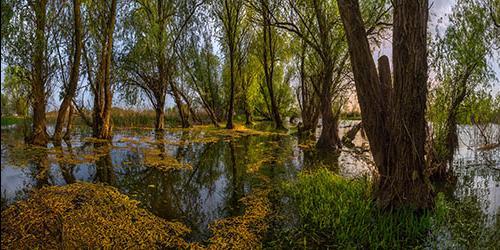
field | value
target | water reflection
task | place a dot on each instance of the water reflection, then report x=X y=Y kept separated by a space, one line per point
x=224 y=169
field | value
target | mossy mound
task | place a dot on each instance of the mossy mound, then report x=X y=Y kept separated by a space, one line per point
x=85 y=215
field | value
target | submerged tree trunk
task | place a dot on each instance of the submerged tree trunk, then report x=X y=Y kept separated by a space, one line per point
x=248 y=116
x=183 y=116
x=194 y=116
x=308 y=101
x=351 y=134
x=269 y=60
x=69 y=125
x=159 y=119
x=39 y=135
x=229 y=124
x=449 y=139
x=70 y=91
x=396 y=132
x=329 y=138
x=102 y=94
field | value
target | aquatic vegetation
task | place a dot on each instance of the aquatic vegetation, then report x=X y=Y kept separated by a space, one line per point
x=465 y=226
x=85 y=215
x=159 y=160
x=339 y=213
x=250 y=176
x=245 y=231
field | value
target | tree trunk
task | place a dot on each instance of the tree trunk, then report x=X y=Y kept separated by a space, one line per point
x=178 y=103
x=39 y=135
x=269 y=57
x=329 y=138
x=73 y=79
x=67 y=135
x=351 y=134
x=248 y=116
x=190 y=108
x=397 y=132
x=160 y=119
x=103 y=97
x=211 y=114
x=229 y=124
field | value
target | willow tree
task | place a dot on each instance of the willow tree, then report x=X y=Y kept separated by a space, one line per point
x=27 y=45
x=231 y=15
x=393 y=108
x=102 y=19
x=307 y=98
x=202 y=73
x=151 y=63
x=460 y=59
x=318 y=24
x=71 y=87
x=269 y=42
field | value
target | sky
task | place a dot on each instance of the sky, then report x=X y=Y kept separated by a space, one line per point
x=439 y=9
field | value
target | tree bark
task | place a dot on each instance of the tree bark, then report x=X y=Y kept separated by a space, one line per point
x=178 y=103
x=329 y=138
x=39 y=135
x=159 y=119
x=268 y=59
x=351 y=134
x=397 y=132
x=67 y=135
x=229 y=124
x=70 y=91
x=194 y=116
x=103 y=97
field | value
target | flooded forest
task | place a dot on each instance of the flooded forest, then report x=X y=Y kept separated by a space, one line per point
x=250 y=124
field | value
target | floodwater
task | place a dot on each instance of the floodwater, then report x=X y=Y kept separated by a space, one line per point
x=203 y=174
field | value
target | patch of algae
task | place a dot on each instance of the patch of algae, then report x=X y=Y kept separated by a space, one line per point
x=244 y=231
x=21 y=154
x=156 y=159
x=85 y=215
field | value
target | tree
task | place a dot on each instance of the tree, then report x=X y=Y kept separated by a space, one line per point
x=17 y=86
x=71 y=87
x=231 y=14
x=460 y=60
x=393 y=109
x=28 y=45
x=39 y=134
x=317 y=23
x=202 y=73
x=307 y=98
x=268 y=47
x=157 y=26
x=102 y=26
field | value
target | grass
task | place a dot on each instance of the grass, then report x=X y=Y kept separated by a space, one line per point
x=339 y=213
x=10 y=120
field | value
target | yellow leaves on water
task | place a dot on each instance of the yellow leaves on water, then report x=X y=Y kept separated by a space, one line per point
x=244 y=231
x=95 y=140
x=85 y=215
x=156 y=159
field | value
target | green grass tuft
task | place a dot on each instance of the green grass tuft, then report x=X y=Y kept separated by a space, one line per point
x=339 y=213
